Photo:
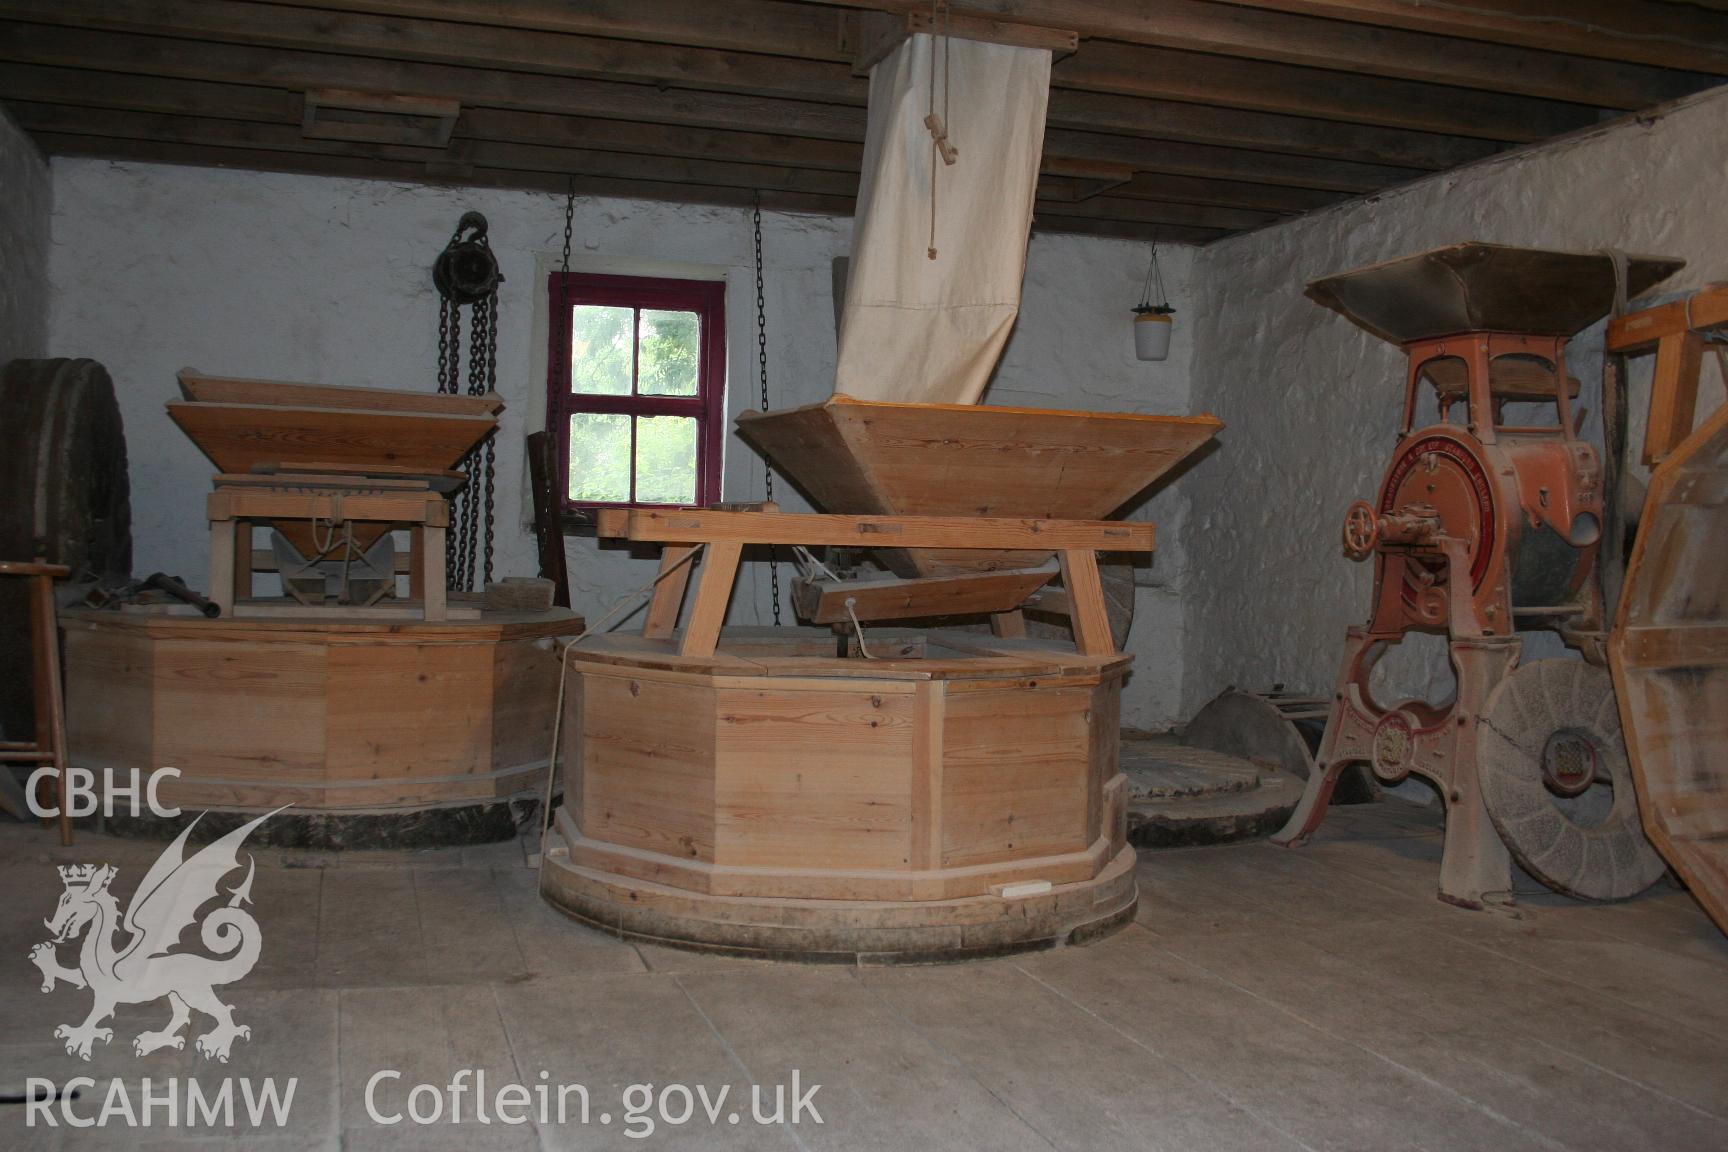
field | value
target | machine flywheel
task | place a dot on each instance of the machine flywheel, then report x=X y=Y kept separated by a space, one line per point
x=1556 y=782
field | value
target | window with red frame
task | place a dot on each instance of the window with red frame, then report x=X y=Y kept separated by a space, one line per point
x=636 y=389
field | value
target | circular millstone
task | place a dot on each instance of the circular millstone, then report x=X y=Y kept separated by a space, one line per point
x=1180 y=796
x=1544 y=722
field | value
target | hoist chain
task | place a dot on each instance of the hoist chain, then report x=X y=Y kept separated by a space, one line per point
x=472 y=509
x=762 y=363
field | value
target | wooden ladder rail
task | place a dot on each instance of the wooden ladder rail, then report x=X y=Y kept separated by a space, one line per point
x=725 y=532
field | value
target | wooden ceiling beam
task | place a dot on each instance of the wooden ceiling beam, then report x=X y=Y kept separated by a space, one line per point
x=1259 y=86
x=1296 y=135
x=446 y=42
x=354 y=167
x=59 y=121
x=267 y=25
x=1230 y=30
x=1666 y=35
x=249 y=65
x=297 y=71
x=778 y=28
x=63 y=86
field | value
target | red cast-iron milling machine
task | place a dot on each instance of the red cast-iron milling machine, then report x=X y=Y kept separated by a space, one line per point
x=1488 y=524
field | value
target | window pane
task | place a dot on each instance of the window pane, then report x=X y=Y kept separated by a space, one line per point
x=600 y=350
x=666 y=459
x=600 y=457
x=671 y=342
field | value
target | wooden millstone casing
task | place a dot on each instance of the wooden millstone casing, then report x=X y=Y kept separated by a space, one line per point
x=772 y=800
x=331 y=716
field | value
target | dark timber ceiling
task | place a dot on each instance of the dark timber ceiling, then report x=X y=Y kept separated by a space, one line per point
x=1184 y=118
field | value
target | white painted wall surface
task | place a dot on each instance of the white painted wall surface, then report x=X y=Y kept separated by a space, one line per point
x=1311 y=402
x=25 y=197
x=309 y=278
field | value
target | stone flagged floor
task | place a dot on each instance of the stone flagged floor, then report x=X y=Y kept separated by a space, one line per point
x=1263 y=999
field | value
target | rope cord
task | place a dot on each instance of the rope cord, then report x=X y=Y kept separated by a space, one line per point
x=863 y=649
x=563 y=678
x=938 y=125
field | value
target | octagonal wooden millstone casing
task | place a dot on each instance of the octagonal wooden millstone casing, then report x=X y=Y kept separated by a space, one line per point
x=776 y=801
x=348 y=717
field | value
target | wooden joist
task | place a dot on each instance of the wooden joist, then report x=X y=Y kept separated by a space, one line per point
x=897 y=598
x=695 y=525
x=1307 y=100
x=1231 y=30
x=1649 y=31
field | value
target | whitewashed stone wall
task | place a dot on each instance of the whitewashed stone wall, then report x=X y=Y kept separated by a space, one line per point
x=308 y=278
x=24 y=214
x=1311 y=402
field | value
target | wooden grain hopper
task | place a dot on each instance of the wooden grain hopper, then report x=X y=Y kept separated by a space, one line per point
x=276 y=426
x=271 y=425
x=854 y=457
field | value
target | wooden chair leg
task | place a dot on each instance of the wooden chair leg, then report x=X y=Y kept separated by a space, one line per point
x=713 y=592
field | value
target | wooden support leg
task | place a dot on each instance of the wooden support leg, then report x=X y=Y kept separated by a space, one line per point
x=430 y=562
x=416 y=572
x=675 y=565
x=222 y=540
x=51 y=737
x=1673 y=394
x=713 y=591
x=242 y=560
x=1009 y=625
x=1086 y=602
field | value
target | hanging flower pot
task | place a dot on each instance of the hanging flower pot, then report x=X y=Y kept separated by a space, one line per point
x=1152 y=323
x=1152 y=332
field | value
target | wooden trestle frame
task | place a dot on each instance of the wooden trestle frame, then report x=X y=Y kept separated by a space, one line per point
x=724 y=533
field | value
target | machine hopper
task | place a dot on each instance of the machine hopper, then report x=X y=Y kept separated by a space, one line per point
x=872 y=458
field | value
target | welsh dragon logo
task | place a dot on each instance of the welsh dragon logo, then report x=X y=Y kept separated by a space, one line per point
x=146 y=966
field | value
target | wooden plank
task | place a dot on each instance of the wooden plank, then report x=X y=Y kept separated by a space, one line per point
x=648 y=786
x=445 y=42
x=196 y=385
x=1673 y=394
x=1086 y=602
x=1230 y=30
x=252 y=67
x=1662 y=34
x=652 y=525
x=1292 y=90
x=237 y=436
x=877 y=34
x=675 y=565
x=897 y=598
x=571 y=150
x=813 y=778
x=1015 y=769
x=445 y=733
x=1202 y=31
x=929 y=721
x=713 y=591
x=1705 y=309
x=379 y=117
